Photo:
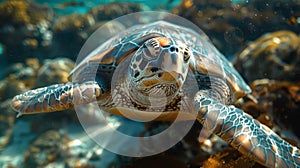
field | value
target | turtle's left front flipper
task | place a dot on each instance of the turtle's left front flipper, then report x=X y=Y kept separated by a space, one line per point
x=56 y=97
x=245 y=134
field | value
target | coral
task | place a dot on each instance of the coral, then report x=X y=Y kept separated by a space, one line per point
x=231 y=25
x=7 y=121
x=19 y=12
x=11 y=87
x=47 y=148
x=278 y=104
x=73 y=22
x=114 y=10
x=228 y=158
x=24 y=29
x=54 y=71
x=157 y=161
x=273 y=55
x=25 y=74
x=70 y=28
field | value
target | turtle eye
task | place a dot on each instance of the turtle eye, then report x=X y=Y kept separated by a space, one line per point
x=186 y=55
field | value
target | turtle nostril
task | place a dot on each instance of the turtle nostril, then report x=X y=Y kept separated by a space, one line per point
x=172 y=49
x=136 y=74
x=154 y=69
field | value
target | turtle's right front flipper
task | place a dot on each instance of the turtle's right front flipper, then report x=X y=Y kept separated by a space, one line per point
x=56 y=97
x=244 y=133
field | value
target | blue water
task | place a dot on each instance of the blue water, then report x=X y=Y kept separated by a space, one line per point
x=87 y=5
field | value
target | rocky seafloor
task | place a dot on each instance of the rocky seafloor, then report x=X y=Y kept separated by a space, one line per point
x=39 y=43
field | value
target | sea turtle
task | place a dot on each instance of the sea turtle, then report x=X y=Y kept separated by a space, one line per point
x=154 y=63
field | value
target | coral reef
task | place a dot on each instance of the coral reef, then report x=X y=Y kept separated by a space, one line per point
x=54 y=71
x=231 y=25
x=73 y=22
x=228 y=158
x=24 y=29
x=278 y=105
x=11 y=87
x=29 y=30
x=7 y=121
x=77 y=28
x=113 y=10
x=47 y=148
x=69 y=34
x=157 y=161
x=18 y=78
x=23 y=72
x=20 y=13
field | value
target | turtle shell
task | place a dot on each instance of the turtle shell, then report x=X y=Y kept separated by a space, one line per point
x=206 y=59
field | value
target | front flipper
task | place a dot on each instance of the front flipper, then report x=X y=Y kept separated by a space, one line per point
x=245 y=134
x=56 y=97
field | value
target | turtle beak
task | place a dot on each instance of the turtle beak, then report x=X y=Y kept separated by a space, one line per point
x=159 y=78
x=172 y=62
x=169 y=68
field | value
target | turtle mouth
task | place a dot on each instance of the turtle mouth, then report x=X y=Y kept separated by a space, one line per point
x=161 y=90
x=159 y=78
x=158 y=95
x=155 y=89
x=159 y=84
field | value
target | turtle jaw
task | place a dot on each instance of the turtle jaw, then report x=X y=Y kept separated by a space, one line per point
x=158 y=95
x=156 y=90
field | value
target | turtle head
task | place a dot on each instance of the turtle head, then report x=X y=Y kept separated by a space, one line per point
x=158 y=69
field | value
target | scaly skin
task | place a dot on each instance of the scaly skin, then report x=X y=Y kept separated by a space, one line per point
x=56 y=97
x=246 y=134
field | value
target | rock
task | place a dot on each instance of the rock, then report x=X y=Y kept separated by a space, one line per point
x=113 y=10
x=157 y=161
x=69 y=34
x=7 y=121
x=54 y=71
x=11 y=87
x=47 y=148
x=23 y=73
x=24 y=29
x=20 y=13
x=228 y=158
x=274 y=56
x=278 y=105
x=230 y=25
x=99 y=33
x=73 y=23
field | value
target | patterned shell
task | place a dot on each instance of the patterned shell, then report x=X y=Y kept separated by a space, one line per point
x=206 y=59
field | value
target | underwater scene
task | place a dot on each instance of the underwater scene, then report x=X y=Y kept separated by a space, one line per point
x=137 y=83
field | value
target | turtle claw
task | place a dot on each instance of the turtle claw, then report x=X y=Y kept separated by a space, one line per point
x=56 y=97
x=19 y=115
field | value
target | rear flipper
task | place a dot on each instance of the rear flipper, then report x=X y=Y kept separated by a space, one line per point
x=56 y=97
x=246 y=134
